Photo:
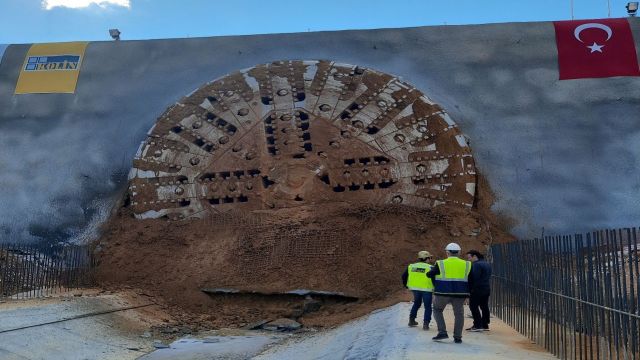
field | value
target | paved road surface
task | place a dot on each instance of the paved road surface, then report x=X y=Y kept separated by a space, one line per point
x=385 y=335
x=109 y=336
x=381 y=335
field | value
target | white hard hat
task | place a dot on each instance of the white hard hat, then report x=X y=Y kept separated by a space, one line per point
x=453 y=247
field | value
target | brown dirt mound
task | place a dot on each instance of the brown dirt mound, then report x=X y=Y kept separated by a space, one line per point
x=357 y=250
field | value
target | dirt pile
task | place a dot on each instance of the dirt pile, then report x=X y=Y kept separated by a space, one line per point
x=359 y=251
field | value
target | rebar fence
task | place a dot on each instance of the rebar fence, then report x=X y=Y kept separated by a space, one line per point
x=575 y=295
x=33 y=270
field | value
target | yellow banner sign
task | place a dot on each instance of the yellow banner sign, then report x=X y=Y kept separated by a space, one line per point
x=51 y=68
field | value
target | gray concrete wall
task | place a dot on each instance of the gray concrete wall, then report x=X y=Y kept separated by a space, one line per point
x=560 y=154
x=3 y=47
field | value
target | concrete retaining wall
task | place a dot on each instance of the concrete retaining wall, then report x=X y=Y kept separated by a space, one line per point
x=564 y=155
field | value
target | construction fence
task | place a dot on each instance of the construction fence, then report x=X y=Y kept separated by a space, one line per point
x=575 y=295
x=36 y=270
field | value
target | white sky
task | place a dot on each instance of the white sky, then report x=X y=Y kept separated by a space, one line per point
x=50 y=4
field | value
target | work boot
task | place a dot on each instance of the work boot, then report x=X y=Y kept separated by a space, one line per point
x=425 y=326
x=440 y=336
x=457 y=340
x=413 y=322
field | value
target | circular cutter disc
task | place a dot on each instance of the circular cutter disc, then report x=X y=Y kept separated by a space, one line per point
x=294 y=133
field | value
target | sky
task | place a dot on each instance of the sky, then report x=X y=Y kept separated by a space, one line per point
x=27 y=21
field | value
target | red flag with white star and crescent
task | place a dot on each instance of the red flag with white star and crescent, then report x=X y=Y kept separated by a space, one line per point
x=596 y=49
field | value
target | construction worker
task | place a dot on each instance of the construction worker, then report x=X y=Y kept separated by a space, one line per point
x=422 y=287
x=450 y=280
x=479 y=287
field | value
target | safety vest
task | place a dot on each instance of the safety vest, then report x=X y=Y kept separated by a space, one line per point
x=453 y=277
x=418 y=279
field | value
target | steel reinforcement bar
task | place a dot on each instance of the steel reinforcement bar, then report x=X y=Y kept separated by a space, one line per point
x=35 y=270
x=576 y=295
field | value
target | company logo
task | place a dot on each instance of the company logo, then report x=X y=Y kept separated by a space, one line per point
x=53 y=63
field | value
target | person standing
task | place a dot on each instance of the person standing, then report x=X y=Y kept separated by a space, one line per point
x=422 y=287
x=450 y=280
x=480 y=289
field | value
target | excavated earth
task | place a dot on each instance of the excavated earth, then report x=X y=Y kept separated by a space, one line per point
x=358 y=251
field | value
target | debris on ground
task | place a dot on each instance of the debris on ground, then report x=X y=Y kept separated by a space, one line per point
x=282 y=324
x=370 y=246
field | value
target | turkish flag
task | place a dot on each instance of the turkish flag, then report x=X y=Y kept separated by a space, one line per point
x=596 y=49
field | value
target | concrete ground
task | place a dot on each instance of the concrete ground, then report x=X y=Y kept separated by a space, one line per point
x=385 y=335
x=124 y=335
x=110 y=336
x=228 y=345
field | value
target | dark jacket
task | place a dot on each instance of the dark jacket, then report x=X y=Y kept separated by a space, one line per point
x=480 y=278
x=405 y=276
x=435 y=270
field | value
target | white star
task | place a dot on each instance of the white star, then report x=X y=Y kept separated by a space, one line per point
x=595 y=47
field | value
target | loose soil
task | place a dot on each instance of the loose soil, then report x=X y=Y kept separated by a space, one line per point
x=357 y=250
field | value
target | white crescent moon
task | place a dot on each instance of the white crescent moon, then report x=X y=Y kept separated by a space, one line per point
x=583 y=27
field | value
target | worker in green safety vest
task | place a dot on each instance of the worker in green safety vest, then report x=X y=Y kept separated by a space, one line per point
x=415 y=279
x=451 y=286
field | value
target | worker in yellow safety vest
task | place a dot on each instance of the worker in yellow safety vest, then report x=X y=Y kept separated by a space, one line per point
x=450 y=280
x=415 y=279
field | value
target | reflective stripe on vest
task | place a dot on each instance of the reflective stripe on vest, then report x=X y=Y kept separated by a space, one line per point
x=453 y=277
x=418 y=279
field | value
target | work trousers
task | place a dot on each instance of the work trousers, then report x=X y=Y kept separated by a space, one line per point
x=420 y=297
x=439 y=303
x=479 y=301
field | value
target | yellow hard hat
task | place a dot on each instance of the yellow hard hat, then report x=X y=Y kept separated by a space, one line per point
x=424 y=254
